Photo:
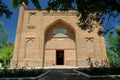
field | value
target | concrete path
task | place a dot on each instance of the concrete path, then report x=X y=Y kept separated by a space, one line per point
x=62 y=74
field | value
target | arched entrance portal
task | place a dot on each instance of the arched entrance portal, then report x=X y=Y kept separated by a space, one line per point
x=60 y=44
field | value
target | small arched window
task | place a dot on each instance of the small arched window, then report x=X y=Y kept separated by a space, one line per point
x=60 y=31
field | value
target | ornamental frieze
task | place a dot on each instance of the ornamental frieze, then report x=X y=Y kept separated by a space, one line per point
x=55 y=13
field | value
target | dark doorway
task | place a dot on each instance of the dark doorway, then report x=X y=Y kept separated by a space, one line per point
x=60 y=57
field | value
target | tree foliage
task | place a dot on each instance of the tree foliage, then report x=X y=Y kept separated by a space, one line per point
x=4 y=10
x=114 y=41
x=85 y=7
x=6 y=51
x=3 y=35
x=113 y=48
x=6 y=54
x=6 y=48
x=16 y=3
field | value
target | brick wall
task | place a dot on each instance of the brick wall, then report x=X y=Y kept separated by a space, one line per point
x=36 y=44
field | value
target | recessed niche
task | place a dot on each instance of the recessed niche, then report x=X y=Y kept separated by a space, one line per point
x=31 y=27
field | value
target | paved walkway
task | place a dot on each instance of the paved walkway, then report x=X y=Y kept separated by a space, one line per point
x=62 y=74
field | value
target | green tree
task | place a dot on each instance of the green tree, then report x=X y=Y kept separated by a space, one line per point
x=6 y=54
x=113 y=48
x=3 y=35
x=6 y=48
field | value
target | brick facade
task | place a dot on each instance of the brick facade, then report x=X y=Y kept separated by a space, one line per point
x=37 y=44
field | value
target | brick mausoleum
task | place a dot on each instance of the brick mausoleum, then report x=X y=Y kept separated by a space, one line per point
x=45 y=39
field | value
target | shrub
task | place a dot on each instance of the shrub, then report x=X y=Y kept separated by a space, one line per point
x=20 y=72
x=101 y=71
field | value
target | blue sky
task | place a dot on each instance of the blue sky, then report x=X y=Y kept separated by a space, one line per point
x=11 y=24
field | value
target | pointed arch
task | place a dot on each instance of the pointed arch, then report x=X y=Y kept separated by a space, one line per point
x=60 y=21
x=60 y=25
